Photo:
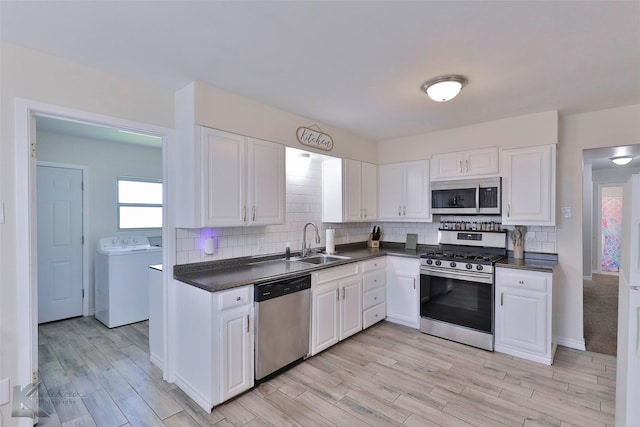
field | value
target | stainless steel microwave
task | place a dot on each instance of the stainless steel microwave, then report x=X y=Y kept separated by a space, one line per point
x=467 y=197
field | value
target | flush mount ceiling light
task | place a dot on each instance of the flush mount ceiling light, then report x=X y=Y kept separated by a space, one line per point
x=444 y=88
x=621 y=160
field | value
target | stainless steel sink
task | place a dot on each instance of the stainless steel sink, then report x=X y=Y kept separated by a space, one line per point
x=320 y=259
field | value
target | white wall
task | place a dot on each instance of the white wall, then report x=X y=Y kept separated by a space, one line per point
x=612 y=127
x=223 y=110
x=105 y=161
x=28 y=74
x=514 y=132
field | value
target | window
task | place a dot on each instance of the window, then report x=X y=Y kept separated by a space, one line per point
x=139 y=203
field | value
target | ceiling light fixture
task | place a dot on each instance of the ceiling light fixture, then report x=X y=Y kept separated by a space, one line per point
x=621 y=160
x=444 y=88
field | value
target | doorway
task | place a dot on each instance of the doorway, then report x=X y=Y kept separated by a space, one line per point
x=26 y=225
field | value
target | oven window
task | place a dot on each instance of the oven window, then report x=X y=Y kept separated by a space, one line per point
x=459 y=198
x=455 y=301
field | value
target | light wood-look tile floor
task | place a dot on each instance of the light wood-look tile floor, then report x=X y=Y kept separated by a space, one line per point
x=388 y=375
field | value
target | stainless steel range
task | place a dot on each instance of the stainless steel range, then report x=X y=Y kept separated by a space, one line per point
x=457 y=286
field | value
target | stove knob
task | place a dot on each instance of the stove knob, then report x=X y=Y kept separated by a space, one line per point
x=452 y=264
x=429 y=262
x=479 y=267
x=438 y=262
x=469 y=266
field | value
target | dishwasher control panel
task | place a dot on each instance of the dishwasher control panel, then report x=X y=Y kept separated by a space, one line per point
x=271 y=290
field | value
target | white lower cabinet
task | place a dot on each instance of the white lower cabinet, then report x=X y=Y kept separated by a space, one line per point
x=214 y=335
x=523 y=314
x=374 y=293
x=336 y=306
x=403 y=289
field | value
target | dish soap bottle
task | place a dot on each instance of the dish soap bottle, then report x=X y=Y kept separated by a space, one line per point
x=287 y=251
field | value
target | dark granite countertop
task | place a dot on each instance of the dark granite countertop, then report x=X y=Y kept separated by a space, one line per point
x=225 y=274
x=532 y=261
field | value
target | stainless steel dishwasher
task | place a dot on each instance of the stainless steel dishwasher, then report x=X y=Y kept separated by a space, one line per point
x=283 y=311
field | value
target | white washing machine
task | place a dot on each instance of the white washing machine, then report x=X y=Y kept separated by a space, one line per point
x=122 y=279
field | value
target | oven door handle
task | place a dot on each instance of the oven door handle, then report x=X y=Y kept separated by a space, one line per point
x=462 y=275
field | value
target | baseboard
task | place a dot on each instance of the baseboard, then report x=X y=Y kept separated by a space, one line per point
x=571 y=343
x=193 y=393
x=156 y=361
x=589 y=277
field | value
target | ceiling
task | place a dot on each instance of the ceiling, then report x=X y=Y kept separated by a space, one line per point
x=357 y=65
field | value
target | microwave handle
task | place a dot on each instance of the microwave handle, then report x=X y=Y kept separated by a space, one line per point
x=477 y=197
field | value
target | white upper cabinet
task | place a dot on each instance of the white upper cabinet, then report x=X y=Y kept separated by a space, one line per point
x=236 y=181
x=403 y=192
x=266 y=191
x=464 y=164
x=349 y=191
x=529 y=186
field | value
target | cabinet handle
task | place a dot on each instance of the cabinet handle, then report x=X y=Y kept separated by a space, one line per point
x=253 y=214
x=414 y=283
x=466 y=162
x=244 y=214
x=375 y=298
x=365 y=212
x=508 y=210
x=501 y=298
x=337 y=294
x=343 y=293
x=247 y=323
x=521 y=282
x=404 y=210
x=399 y=210
x=461 y=171
x=238 y=298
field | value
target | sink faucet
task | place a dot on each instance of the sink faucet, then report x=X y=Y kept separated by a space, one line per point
x=306 y=251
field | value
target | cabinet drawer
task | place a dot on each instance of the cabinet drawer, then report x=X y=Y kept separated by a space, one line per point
x=235 y=297
x=374 y=264
x=530 y=280
x=336 y=273
x=371 y=298
x=373 y=280
x=373 y=315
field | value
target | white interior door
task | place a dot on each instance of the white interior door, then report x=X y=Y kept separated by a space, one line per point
x=59 y=207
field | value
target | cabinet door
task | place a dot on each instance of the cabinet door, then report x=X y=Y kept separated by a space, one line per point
x=236 y=370
x=266 y=198
x=350 y=307
x=223 y=174
x=352 y=196
x=390 y=192
x=521 y=320
x=481 y=162
x=324 y=317
x=445 y=166
x=403 y=290
x=416 y=196
x=370 y=191
x=529 y=186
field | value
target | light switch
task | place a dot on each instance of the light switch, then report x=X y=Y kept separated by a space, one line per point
x=566 y=212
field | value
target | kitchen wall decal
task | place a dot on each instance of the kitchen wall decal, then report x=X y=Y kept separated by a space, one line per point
x=314 y=137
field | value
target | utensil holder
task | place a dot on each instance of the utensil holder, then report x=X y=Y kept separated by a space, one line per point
x=373 y=243
x=518 y=252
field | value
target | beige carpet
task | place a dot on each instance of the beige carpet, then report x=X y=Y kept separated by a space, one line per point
x=601 y=313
